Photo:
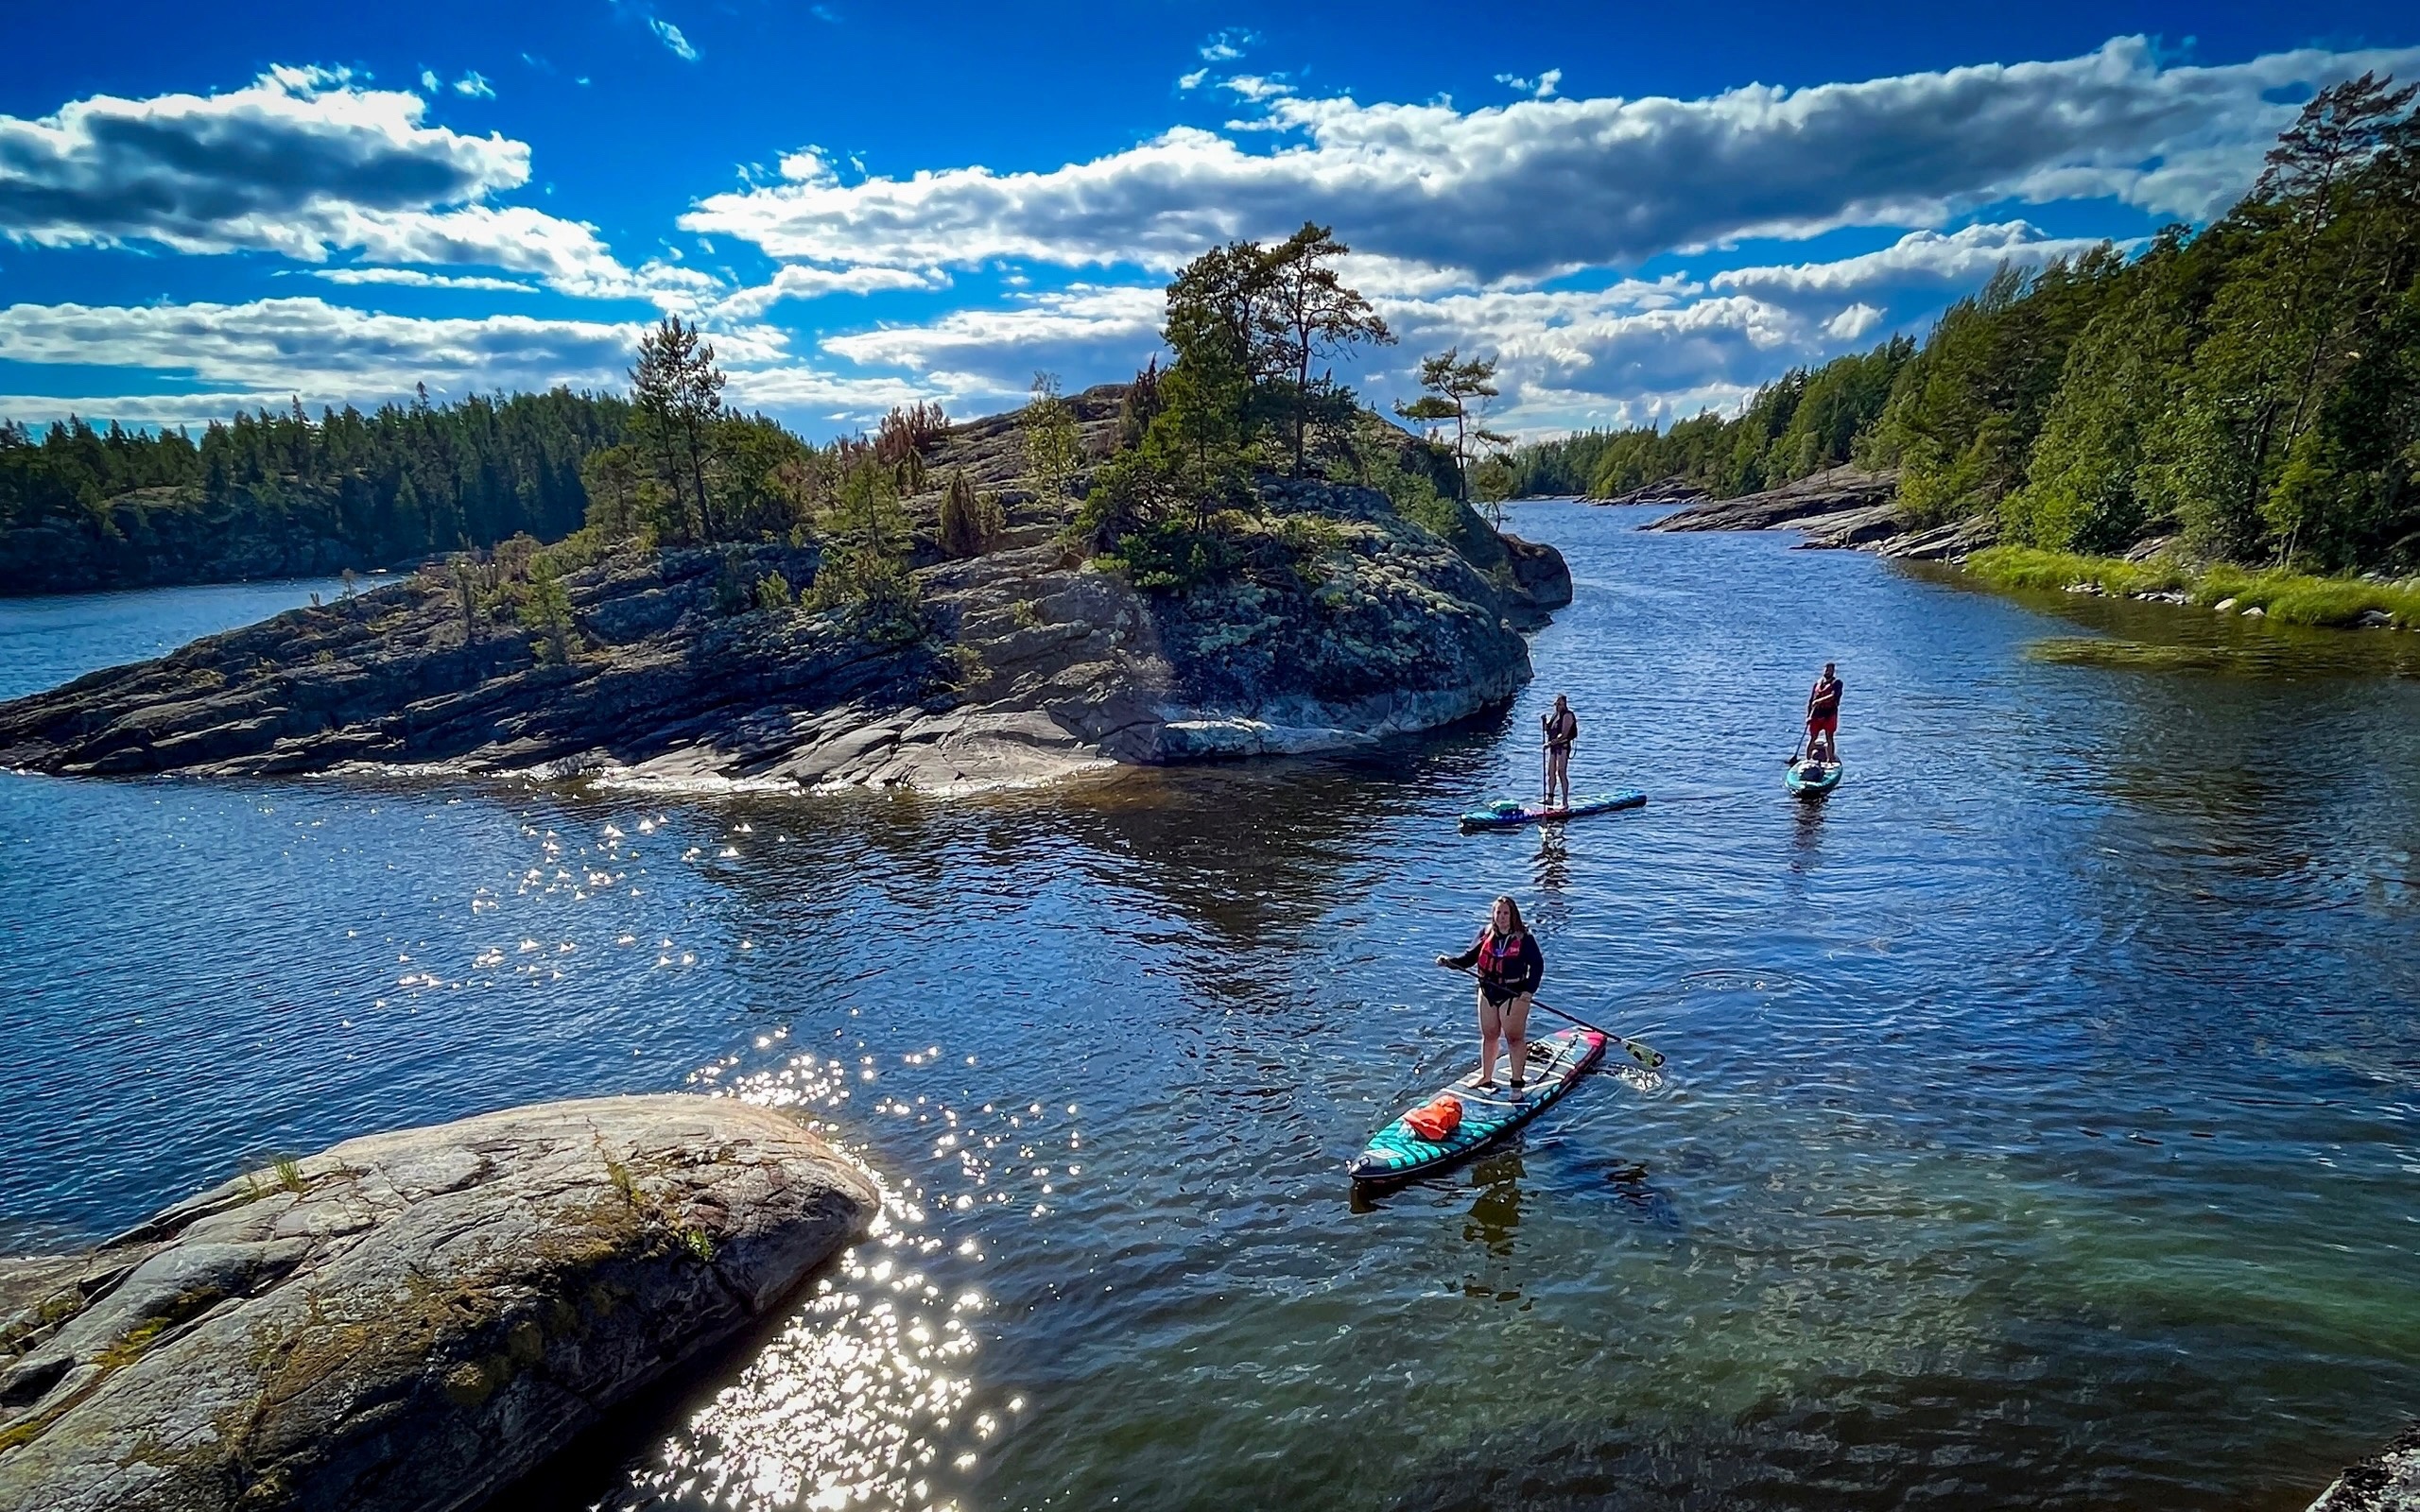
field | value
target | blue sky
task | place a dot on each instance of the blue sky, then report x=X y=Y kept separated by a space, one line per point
x=1641 y=211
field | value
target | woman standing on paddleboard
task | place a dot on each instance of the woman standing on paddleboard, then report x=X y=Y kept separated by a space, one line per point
x=1561 y=728
x=1509 y=967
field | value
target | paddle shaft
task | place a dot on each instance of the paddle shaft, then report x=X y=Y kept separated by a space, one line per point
x=1636 y=1050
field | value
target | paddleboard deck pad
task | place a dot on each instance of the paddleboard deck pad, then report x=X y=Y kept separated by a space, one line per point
x=1813 y=778
x=1557 y=1062
x=1505 y=814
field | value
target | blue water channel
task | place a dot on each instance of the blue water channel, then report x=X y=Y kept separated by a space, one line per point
x=2041 y=1125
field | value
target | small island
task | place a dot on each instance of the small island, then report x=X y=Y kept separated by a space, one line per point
x=1224 y=557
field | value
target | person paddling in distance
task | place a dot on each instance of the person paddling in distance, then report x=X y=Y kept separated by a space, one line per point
x=1509 y=967
x=1561 y=728
x=1824 y=717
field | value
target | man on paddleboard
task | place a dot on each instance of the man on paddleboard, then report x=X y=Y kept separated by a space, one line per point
x=1561 y=729
x=1824 y=717
x=1509 y=967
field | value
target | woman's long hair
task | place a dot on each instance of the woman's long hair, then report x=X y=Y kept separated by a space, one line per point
x=1510 y=907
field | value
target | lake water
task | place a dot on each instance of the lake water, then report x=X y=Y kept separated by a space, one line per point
x=2042 y=1123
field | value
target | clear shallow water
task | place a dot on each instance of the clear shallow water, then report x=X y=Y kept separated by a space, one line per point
x=2040 y=1123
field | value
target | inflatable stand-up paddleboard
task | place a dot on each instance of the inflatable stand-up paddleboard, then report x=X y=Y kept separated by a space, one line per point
x=1813 y=778
x=1557 y=1061
x=1508 y=814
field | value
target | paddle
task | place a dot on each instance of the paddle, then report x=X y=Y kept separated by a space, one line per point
x=1645 y=1055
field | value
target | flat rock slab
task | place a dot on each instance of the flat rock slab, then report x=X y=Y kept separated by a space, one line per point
x=410 y=1320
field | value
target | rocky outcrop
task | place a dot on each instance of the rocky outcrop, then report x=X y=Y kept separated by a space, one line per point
x=1844 y=508
x=411 y=1320
x=2388 y=1480
x=1029 y=663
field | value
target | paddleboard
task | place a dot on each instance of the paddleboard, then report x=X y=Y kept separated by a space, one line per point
x=1557 y=1061
x=1508 y=814
x=1826 y=776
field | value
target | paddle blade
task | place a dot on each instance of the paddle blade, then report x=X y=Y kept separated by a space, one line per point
x=1646 y=1057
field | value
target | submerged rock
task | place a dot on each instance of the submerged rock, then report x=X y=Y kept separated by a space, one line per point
x=410 y=1320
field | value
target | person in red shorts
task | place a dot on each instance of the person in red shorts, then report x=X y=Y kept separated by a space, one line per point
x=1824 y=717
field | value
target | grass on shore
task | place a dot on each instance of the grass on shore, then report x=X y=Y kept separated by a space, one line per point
x=2295 y=598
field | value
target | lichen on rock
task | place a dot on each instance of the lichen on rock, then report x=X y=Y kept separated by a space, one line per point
x=424 y=1319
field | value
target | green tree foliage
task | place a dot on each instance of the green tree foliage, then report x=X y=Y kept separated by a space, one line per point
x=1802 y=423
x=865 y=536
x=1311 y=314
x=1053 y=444
x=968 y=520
x=676 y=398
x=393 y=485
x=2254 y=386
x=1459 y=390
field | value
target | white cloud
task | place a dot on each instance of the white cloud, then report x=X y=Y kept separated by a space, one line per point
x=268 y=351
x=303 y=164
x=1541 y=87
x=429 y=81
x=1192 y=80
x=414 y=278
x=1544 y=186
x=1853 y=322
x=670 y=36
x=802 y=281
x=1927 y=261
x=1228 y=46
x=992 y=353
x=475 y=85
x=1256 y=88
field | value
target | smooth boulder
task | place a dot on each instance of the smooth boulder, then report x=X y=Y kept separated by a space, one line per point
x=409 y=1320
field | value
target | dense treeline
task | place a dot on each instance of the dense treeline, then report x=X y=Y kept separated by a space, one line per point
x=361 y=490
x=2254 y=386
x=1806 y=422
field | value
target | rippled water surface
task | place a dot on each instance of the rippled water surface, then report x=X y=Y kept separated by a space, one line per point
x=2039 y=1125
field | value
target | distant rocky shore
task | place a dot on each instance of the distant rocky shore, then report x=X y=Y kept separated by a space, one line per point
x=1033 y=664
x=1843 y=508
x=409 y=1320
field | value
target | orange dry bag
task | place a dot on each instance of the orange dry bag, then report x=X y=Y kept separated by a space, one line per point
x=1437 y=1122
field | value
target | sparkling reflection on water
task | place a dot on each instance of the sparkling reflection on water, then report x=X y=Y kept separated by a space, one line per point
x=2038 y=1127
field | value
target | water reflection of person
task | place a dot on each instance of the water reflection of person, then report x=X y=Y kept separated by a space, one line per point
x=1553 y=865
x=1496 y=1217
x=1509 y=967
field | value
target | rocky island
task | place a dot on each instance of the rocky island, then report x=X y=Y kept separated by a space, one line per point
x=1027 y=658
x=409 y=1320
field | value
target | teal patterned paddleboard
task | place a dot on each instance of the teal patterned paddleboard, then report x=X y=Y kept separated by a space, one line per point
x=1813 y=778
x=1556 y=1062
x=1506 y=813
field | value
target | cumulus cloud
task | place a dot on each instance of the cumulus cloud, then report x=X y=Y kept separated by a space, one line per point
x=992 y=353
x=268 y=351
x=276 y=165
x=1192 y=80
x=1544 y=186
x=1541 y=87
x=802 y=281
x=304 y=164
x=1922 y=261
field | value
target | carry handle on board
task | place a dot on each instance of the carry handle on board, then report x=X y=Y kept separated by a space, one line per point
x=1646 y=1055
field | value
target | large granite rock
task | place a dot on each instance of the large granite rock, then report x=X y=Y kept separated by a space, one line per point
x=1033 y=663
x=408 y=1321
x=2388 y=1480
